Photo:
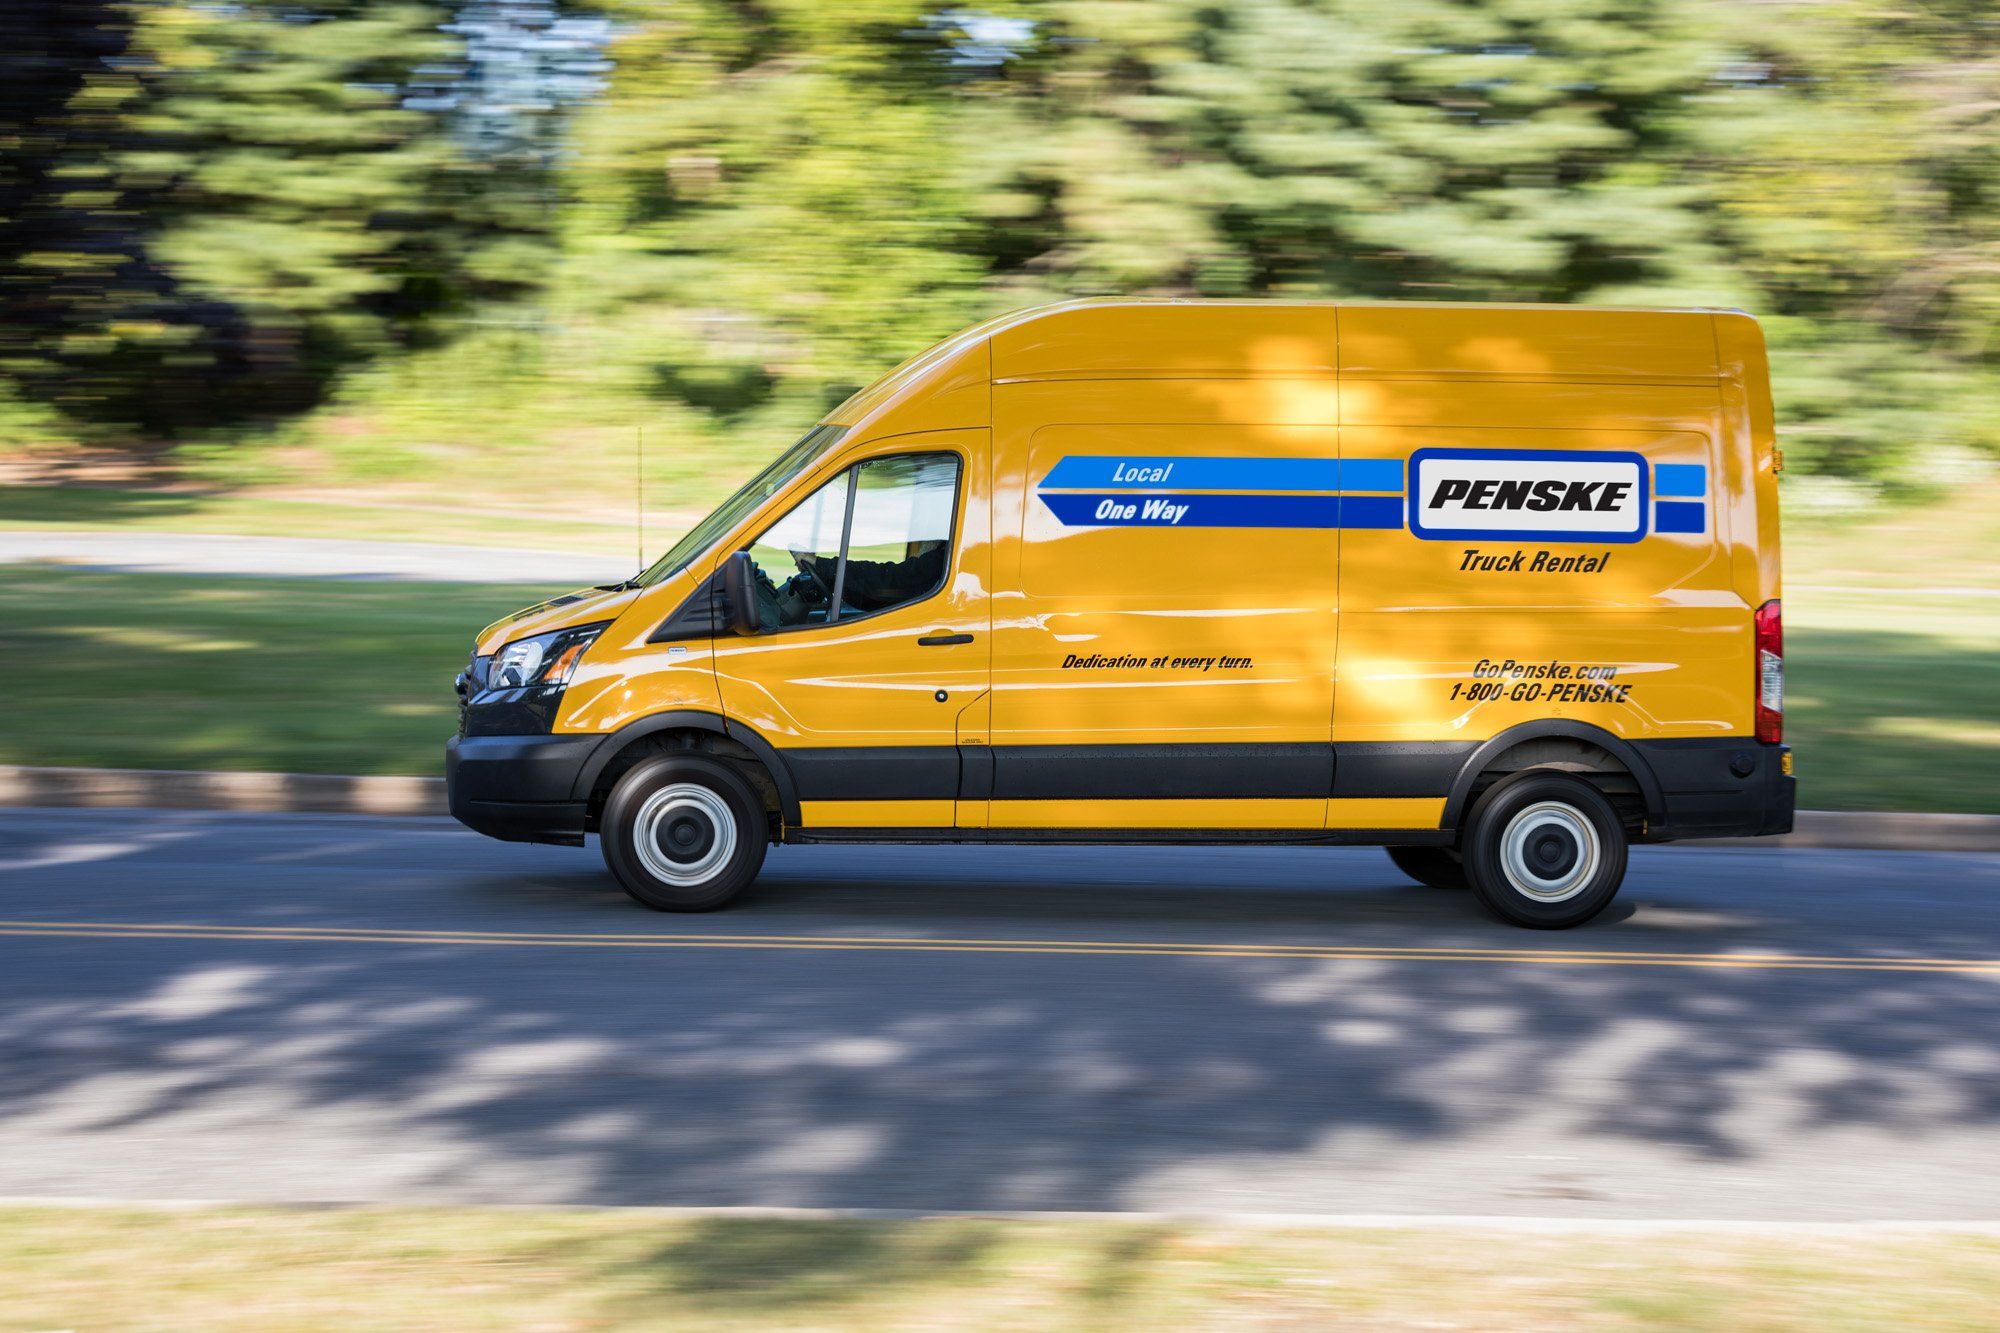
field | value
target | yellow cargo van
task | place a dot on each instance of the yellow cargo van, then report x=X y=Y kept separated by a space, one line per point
x=1495 y=587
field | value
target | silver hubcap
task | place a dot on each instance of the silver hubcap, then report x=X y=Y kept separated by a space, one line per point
x=1550 y=852
x=684 y=834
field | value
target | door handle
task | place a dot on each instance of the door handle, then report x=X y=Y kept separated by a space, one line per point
x=939 y=640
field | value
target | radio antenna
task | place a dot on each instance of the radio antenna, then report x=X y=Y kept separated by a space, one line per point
x=639 y=497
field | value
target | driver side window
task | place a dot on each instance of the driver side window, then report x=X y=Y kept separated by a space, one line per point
x=873 y=538
x=797 y=559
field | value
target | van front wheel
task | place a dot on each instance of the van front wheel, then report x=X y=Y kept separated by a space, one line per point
x=683 y=834
x=1544 y=850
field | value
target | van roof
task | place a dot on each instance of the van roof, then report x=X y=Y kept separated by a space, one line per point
x=1177 y=338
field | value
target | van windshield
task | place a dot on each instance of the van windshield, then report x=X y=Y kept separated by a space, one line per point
x=732 y=511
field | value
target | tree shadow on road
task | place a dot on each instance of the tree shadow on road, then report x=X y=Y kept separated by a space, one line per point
x=1010 y=1080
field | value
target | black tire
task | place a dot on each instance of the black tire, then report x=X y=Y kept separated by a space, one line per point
x=1438 y=867
x=684 y=833
x=1544 y=850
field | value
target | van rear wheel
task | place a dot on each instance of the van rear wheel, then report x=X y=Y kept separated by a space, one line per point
x=1439 y=867
x=683 y=834
x=1544 y=850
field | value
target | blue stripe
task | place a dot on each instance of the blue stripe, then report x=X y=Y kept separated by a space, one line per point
x=1371 y=511
x=1681 y=481
x=1680 y=516
x=1098 y=472
x=1103 y=509
x=1371 y=474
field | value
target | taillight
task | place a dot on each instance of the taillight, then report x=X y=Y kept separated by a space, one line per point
x=1770 y=625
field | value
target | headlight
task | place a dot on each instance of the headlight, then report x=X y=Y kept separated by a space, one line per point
x=545 y=659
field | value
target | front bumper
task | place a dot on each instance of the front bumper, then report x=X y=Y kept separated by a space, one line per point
x=520 y=788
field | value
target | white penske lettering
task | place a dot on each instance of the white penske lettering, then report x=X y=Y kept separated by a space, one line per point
x=1526 y=493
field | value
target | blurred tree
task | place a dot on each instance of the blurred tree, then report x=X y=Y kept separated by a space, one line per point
x=212 y=211
x=790 y=196
x=1399 y=148
x=803 y=193
x=88 y=321
x=507 y=96
x=292 y=181
x=1853 y=150
x=219 y=207
x=775 y=198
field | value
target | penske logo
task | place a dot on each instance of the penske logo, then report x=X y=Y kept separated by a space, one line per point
x=1528 y=494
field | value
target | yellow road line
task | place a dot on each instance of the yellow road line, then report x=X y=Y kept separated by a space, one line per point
x=919 y=944
x=634 y=938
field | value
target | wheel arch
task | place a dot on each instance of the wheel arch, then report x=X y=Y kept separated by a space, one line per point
x=1489 y=755
x=620 y=745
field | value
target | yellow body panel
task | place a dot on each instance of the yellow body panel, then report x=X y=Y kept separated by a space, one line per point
x=1240 y=659
x=624 y=678
x=1384 y=812
x=878 y=814
x=1339 y=813
x=1334 y=582
x=1658 y=616
x=1178 y=814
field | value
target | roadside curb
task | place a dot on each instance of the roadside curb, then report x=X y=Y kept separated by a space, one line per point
x=326 y=794
x=262 y=793
x=1880 y=831
x=1520 y=1223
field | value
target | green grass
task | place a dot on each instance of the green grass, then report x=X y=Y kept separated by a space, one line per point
x=1892 y=702
x=1951 y=544
x=1892 y=706
x=258 y=1268
x=151 y=671
x=1891 y=697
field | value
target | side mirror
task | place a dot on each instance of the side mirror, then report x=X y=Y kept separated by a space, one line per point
x=739 y=594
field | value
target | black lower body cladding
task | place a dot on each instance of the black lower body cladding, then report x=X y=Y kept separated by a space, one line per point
x=1699 y=788
x=1147 y=772
x=536 y=788
x=1727 y=788
x=519 y=788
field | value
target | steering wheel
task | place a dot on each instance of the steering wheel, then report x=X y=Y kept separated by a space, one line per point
x=803 y=559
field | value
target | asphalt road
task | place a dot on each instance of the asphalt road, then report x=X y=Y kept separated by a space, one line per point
x=287 y=1008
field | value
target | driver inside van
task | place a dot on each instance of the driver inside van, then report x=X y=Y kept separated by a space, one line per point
x=870 y=585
